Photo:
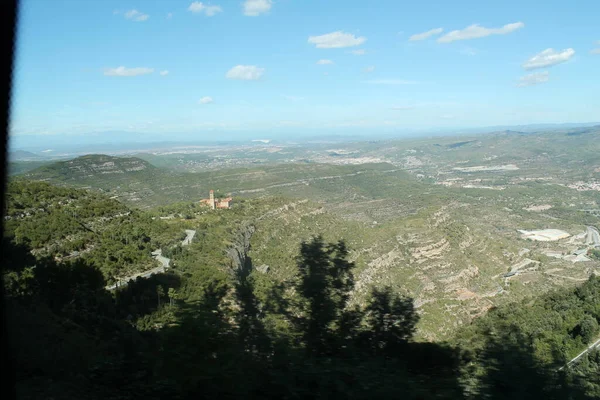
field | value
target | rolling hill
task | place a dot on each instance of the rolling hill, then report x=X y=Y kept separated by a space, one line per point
x=447 y=246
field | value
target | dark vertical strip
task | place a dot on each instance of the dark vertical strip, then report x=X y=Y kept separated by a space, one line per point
x=8 y=29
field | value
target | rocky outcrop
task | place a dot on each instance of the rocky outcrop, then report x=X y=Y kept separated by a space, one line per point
x=238 y=252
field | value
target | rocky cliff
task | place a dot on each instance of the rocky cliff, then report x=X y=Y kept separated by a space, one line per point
x=238 y=252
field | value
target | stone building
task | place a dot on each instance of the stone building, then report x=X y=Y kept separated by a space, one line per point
x=214 y=203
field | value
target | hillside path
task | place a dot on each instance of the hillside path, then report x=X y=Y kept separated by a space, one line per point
x=157 y=255
x=591 y=347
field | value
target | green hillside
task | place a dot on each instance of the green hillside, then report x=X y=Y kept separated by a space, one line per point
x=129 y=179
x=67 y=223
x=447 y=247
x=20 y=167
x=210 y=327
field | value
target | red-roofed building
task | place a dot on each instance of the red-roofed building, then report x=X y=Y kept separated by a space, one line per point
x=217 y=203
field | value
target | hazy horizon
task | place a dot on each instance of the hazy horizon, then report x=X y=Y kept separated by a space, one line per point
x=115 y=141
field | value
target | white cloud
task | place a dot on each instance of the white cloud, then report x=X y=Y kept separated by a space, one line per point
x=335 y=40
x=402 y=108
x=390 y=82
x=135 y=15
x=245 y=72
x=358 y=52
x=370 y=68
x=476 y=31
x=324 y=62
x=169 y=15
x=165 y=72
x=122 y=71
x=253 y=8
x=533 y=79
x=548 y=58
x=595 y=51
x=447 y=116
x=206 y=100
x=201 y=8
x=426 y=35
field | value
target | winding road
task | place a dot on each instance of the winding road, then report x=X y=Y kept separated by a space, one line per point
x=157 y=255
x=592 y=237
x=188 y=239
x=591 y=347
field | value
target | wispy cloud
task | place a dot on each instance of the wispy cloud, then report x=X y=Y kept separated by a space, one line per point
x=200 y=8
x=293 y=98
x=533 y=79
x=169 y=15
x=477 y=31
x=468 y=51
x=548 y=58
x=123 y=71
x=358 y=52
x=402 y=108
x=136 y=15
x=369 y=69
x=336 y=40
x=597 y=50
x=324 y=62
x=426 y=35
x=206 y=100
x=289 y=123
x=164 y=73
x=390 y=82
x=245 y=72
x=253 y=8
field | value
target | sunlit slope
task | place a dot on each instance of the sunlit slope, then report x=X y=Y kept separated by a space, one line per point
x=137 y=182
x=72 y=224
x=451 y=255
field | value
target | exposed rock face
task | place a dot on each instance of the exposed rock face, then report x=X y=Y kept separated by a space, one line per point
x=238 y=252
x=106 y=165
x=263 y=268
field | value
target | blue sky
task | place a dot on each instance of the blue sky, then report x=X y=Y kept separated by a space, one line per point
x=273 y=67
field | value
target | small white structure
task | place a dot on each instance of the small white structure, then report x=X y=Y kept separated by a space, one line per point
x=545 y=235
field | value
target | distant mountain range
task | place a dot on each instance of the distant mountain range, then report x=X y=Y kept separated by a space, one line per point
x=36 y=147
x=22 y=155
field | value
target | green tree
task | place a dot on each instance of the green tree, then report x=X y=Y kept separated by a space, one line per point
x=326 y=281
x=512 y=371
x=160 y=292
x=391 y=319
x=173 y=295
x=588 y=329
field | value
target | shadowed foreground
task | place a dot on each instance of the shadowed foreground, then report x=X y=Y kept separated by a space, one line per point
x=73 y=339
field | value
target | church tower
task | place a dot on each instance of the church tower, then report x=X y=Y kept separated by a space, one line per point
x=212 y=199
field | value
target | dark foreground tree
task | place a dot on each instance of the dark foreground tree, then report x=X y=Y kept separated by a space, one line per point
x=390 y=319
x=325 y=283
x=513 y=373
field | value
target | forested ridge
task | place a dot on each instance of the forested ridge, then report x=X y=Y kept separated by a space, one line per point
x=201 y=331
x=66 y=222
